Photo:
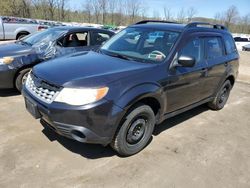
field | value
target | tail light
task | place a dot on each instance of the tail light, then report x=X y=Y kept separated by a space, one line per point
x=41 y=28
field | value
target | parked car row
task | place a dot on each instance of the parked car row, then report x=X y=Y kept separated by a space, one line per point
x=242 y=43
x=13 y=28
x=117 y=93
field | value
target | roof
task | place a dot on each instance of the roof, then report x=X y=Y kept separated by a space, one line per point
x=162 y=26
x=76 y=28
x=172 y=26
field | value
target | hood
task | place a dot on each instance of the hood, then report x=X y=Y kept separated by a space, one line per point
x=14 y=49
x=87 y=69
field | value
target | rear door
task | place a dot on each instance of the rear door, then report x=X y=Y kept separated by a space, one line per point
x=97 y=38
x=186 y=83
x=217 y=64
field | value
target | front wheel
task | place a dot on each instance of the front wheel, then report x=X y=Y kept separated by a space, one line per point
x=21 y=78
x=135 y=132
x=221 y=96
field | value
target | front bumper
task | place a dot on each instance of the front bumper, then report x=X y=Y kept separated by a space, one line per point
x=95 y=123
x=7 y=76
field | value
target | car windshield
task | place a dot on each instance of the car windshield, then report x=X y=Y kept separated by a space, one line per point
x=43 y=36
x=141 y=44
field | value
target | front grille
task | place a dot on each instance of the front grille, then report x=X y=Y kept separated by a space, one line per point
x=41 y=89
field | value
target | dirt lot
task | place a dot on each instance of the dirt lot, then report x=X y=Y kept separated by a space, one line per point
x=199 y=148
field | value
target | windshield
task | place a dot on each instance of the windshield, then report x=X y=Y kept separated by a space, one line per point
x=43 y=36
x=141 y=44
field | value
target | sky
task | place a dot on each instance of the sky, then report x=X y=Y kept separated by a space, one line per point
x=205 y=8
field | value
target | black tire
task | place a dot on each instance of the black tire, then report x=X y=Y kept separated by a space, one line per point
x=21 y=78
x=135 y=132
x=221 y=97
x=21 y=36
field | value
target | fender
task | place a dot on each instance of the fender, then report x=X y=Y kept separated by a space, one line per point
x=30 y=29
x=139 y=92
x=230 y=73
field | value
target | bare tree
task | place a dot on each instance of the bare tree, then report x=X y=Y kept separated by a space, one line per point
x=51 y=8
x=61 y=4
x=112 y=5
x=156 y=15
x=88 y=10
x=191 y=12
x=231 y=15
x=96 y=10
x=245 y=24
x=181 y=15
x=167 y=13
x=103 y=4
x=133 y=9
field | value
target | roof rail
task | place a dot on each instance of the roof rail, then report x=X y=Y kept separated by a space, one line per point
x=154 y=21
x=196 y=24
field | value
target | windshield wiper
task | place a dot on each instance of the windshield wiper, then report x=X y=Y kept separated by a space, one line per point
x=117 y=55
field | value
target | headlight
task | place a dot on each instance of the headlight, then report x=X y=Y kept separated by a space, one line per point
x=6 y=60
x=81 y=96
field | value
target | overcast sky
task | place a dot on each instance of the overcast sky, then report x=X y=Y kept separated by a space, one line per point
x=205 y=8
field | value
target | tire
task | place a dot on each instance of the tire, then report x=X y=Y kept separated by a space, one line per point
x=21 y=36
x=221 y=97
x=21 y=78
x=135 y=132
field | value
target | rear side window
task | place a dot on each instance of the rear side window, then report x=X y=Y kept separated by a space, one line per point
x=99 y=37
x=214 y=47
x=230 y=45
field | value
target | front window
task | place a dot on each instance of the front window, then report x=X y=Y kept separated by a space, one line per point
x=141 y=44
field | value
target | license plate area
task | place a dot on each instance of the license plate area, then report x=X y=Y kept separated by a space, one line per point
x=32 y=108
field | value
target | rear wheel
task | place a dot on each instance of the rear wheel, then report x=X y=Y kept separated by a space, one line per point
x=21 y=78
x=21 y=35
x=135 y=132
x=221 y=96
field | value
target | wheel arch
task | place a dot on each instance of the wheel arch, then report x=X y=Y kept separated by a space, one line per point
x=29 y=66
x=148 y=94
x=21 y=33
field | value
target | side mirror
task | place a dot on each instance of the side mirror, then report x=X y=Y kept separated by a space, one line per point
x=186 y=61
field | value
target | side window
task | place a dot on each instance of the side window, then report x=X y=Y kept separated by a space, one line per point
x=230 y=44
x=79 y=39
x=98 y=38
x=194 y=48
x=214 y=47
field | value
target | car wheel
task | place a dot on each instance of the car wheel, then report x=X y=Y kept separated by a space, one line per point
x=135 y=132
x=221 y=96
x=21 y=78
x=21 y=36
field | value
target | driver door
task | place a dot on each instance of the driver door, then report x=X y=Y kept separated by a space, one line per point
x=186 y=83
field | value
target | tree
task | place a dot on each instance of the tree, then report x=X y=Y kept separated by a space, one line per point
x=133 y=9
x=88 y=10
x=112 y=5
x=167 y=13
x=231 y=15
x=181 y=15
x=191 y=12
x=103 y=4
x=61 y=4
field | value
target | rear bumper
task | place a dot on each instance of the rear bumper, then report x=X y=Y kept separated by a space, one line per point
x=95 y=123
x=6 y=77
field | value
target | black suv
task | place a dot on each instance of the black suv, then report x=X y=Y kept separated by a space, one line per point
x=145 y=74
